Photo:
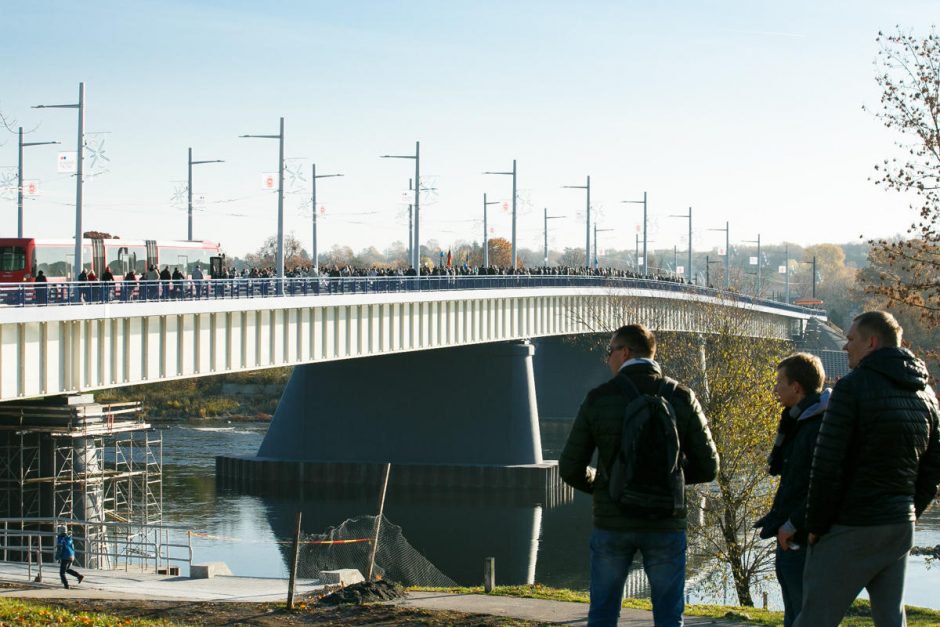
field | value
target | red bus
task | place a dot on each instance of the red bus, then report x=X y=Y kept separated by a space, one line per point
x=22 y=259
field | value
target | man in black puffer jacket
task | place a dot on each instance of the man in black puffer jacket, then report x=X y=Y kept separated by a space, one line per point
x=619 y=533
x=876 y=468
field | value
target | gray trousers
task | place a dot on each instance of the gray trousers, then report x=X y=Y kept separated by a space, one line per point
x=848 y=559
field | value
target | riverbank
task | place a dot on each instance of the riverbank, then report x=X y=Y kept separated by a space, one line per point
x=429 y=608
x=241 y=397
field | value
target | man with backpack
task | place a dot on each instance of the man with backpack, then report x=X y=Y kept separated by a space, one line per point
x=651 y=439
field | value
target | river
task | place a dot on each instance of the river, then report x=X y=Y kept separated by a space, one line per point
x=455 y=532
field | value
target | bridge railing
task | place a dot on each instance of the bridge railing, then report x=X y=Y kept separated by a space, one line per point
x=99 y=292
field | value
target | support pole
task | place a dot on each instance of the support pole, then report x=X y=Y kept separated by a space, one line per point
x=378 y=522
x=295 y=554
x=489 y=574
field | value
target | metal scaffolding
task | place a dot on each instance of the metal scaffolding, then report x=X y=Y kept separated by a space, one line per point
x=82 y=464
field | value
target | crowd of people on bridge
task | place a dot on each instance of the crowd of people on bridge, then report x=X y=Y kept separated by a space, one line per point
x=167 y=284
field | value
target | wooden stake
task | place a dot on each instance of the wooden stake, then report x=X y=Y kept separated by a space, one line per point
x=293 y=564
x=378 y=522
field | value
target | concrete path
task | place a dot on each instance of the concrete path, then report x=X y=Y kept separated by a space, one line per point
x=120 y=584
x=544 y=612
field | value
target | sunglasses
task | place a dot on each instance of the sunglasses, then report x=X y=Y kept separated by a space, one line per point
x=611 y=349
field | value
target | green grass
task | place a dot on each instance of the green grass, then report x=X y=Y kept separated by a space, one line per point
x=858 y=616
x=22 y=612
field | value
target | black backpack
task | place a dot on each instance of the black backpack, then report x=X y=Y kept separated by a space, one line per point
x=645 y=476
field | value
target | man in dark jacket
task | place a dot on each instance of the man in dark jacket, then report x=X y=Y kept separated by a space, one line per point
x=618 y=532
x=799 y=386
x=876 y=468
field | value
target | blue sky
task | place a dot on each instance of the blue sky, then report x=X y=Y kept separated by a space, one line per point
x=750 y=112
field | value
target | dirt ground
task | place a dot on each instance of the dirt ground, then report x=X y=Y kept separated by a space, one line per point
x=306 y=613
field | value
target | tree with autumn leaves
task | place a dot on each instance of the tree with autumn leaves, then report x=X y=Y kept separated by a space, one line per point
x=907 y=271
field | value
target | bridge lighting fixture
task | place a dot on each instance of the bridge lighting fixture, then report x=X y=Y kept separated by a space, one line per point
x=513 y=175
x=80 y=105
x=486 y=235
x=688 y=272
x=727 y=231
x=645 y=242
x=587 y=223
x=596 y=231
x=279 y=260
x=313 y=200
x=189 y=191
x=19 y=180
x=545 y=231
x=415 y=247
x=759 y=275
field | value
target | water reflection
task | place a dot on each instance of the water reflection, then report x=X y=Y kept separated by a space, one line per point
x=455 y=531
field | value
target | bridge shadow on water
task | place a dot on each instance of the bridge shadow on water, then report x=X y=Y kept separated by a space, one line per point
x=454 y=529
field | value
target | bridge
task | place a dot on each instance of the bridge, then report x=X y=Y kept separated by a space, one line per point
x=442 y=350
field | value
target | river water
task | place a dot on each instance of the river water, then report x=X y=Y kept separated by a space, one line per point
x=531 y=543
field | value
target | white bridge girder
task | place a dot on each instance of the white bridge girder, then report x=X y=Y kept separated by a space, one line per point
x=46 y=351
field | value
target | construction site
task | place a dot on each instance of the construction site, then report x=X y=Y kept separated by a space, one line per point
x=95 y=469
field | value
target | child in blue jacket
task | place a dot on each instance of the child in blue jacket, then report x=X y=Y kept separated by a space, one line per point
x=65 y=553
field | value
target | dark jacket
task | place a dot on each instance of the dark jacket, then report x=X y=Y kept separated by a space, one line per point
x=877 y=457
x=599 y=425
x=799 y=426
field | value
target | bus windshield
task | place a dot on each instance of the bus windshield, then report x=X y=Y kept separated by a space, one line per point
x=12 y=258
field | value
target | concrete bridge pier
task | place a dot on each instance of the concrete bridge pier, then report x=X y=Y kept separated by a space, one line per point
x=457 y=417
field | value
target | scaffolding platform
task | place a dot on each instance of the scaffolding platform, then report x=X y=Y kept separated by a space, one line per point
x=72 y=459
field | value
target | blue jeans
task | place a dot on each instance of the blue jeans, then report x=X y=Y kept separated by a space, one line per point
x=789 y=567
x=663 y=561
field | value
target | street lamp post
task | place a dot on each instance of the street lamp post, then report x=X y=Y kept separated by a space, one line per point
x=313 y=200
x=645 y=242
x=587 y=221
x=486 y=241
x=189 y=190
x=727 y=231
x=688 y=272
x=279 y=259
x=814 y=274
x=786 y=271
x=708 y=264
x=416 y=243
x=513 y=175
x=757 y=241
x=545 y=231
x=596 y=231
x=636 y=252
x=19 y=180
x=80 y=105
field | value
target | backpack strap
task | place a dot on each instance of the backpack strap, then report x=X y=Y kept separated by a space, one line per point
x=626 y=386
x=667 y=387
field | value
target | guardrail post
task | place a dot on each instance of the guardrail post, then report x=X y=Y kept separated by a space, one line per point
x=38 y=578
x=489 y=574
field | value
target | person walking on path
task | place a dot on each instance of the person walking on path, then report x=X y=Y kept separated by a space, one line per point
x=65 y=553
x=619 y=531
x=799 y=388
x=876 y=469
